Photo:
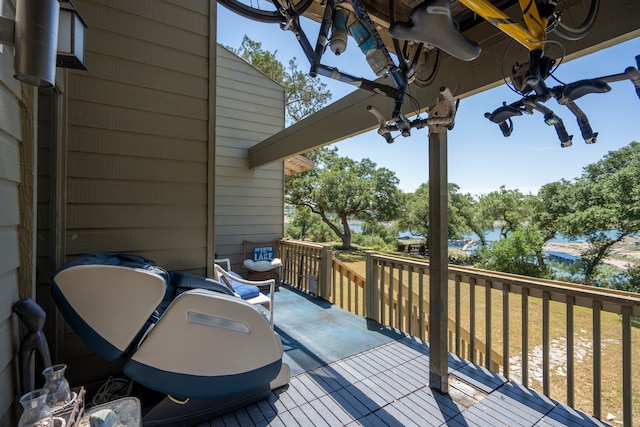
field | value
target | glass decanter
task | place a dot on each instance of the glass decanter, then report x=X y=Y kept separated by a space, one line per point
x=36 y=411
x=57 y=385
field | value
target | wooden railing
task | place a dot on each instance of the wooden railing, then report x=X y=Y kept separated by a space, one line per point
x=305 y=266
x=560 y=338
x=511 y=314
x=347 y=288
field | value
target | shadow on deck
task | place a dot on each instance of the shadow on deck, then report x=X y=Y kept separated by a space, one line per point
x=347 y=371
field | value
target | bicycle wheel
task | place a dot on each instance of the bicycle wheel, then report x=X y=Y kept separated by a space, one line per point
x=576 y=18
x=420 y=62
x=426 y=67
x=265 y=10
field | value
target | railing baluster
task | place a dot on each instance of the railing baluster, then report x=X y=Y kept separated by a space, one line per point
x=457 y=305
x=505 y=331
x=304 y=283
x=349 y=281
x=571 y=392
x=341 y=287
x=410 y=318
x=525 y=337
x=487 y=350
x=334 y=283
x=357 y=296
x=597 y=359
x=627 y=373
x=472 y=319
x=391 y=296
x=382 y=291
x=546 y=359
x=400 y=310
x=421 y=305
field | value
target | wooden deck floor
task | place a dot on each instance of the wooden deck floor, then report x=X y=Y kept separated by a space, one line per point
x=387 y=386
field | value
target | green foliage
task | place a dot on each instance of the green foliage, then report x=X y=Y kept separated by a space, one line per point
x=631 y=280
x=550 y=206
x=415 y=215
x=304 y=225
x=518 y=253
x=339 y=188
x=605 y=197
x=372 y=242
x=389 y=233
x=304 y=95
x=509 y=208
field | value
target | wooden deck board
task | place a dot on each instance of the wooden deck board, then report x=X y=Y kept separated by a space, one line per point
x=563 y=415
x=319 y=417
x=352 y=406
x=388 y=386
x=340 y=412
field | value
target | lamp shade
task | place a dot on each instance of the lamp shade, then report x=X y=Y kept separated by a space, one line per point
x=36 y=35
x=70 y=38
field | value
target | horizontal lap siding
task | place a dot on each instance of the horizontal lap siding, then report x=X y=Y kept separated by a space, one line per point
x=137 y=145
x=10 y=146
x=249 y=203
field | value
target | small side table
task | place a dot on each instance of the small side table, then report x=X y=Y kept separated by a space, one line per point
x=128 y=412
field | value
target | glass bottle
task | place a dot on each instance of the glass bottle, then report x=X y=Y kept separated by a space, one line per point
x=36 y=411
x=57 y=385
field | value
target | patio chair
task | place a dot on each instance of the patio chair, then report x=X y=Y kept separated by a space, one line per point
x=261 y=260
x=248 y=290
x=179 y=334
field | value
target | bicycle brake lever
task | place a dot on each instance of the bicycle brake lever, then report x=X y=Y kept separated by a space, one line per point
x=383 y=130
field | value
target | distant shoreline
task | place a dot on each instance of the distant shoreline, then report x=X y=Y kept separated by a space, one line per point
x=624 y=253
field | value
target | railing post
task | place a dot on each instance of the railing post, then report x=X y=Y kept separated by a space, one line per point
x=326 y=265
x=371 y=303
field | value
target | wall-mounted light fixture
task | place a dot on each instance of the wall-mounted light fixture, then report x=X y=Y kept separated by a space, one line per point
x=34 y=35
x=71 y=33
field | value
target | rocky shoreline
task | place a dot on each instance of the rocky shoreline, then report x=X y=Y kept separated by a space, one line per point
x=625 y=253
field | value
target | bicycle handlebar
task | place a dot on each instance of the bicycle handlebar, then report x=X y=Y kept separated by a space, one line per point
x=401 y=124
x=565 y=95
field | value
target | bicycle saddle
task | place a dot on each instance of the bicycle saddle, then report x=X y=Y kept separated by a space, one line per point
x=431 y=23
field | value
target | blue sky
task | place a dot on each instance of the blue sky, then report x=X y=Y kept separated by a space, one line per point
x=480 y=158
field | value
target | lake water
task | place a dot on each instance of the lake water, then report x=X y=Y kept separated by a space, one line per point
x=490 y=236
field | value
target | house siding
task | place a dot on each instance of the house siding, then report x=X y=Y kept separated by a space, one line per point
x=124 y=161
x=16 y=209
x=135 y=152
x=249 y=202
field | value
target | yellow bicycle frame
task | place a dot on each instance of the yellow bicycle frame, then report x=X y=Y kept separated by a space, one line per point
x=532 y=37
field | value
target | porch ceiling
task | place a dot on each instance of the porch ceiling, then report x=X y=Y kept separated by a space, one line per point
x=296 y=164
x=617 y=21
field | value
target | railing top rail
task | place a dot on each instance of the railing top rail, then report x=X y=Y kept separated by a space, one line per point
x=607 y=296
x=360 y=279
x=300 y=243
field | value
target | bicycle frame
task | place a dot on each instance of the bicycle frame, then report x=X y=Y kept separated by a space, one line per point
x=314 y=56
x=317 y=68
x=532 y=37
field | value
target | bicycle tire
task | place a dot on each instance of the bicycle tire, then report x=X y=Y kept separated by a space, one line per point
x=263 y=15
x=576 y=26
x=423 y=74
x=427 y=68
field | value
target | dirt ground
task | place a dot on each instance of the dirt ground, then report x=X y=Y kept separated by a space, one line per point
x=624 y=253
